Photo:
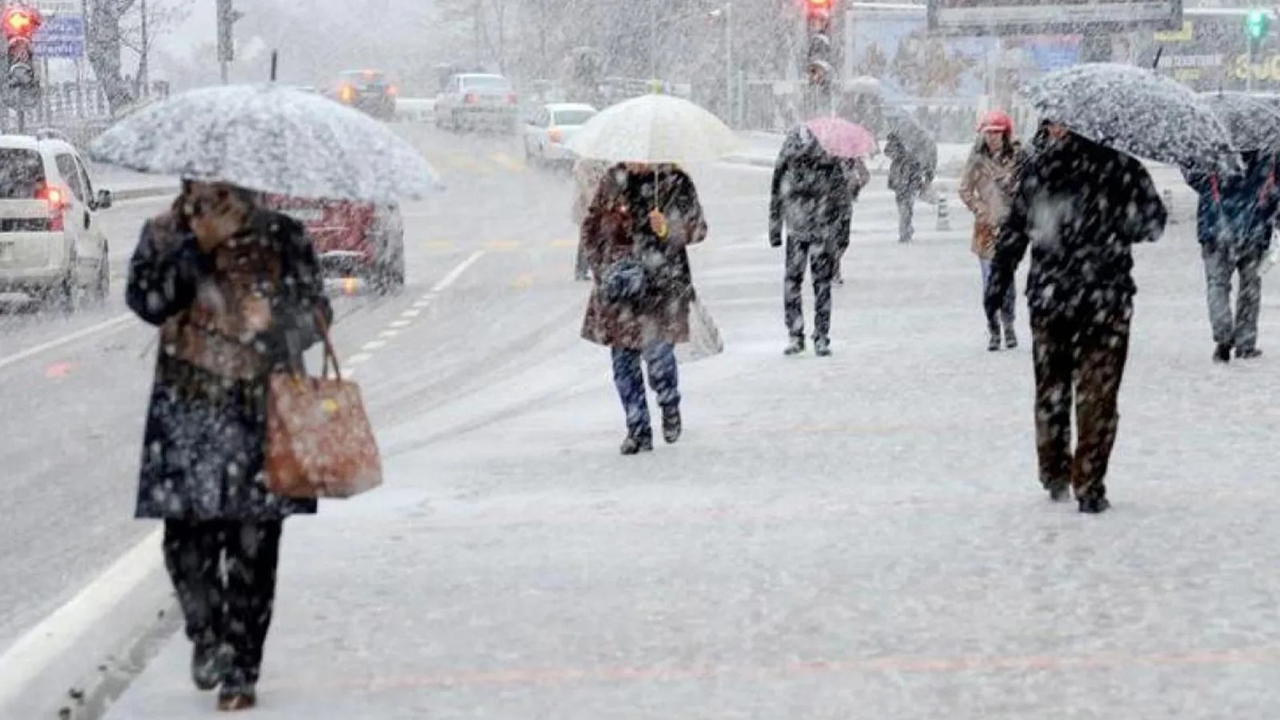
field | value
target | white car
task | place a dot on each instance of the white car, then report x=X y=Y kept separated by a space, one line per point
x=548 y=127
x=473 y=100
x=51 y=243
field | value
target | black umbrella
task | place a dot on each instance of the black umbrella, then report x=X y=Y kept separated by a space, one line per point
x=1137 y=112
x=1252 y=124
x=915 y=139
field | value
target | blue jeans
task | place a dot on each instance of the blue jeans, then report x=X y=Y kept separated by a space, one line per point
x=1010 y=298
x=663 y=378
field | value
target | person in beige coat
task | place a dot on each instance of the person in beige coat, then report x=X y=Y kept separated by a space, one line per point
x=986 y=188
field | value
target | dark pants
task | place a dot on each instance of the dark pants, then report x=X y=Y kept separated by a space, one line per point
x=225 y=574
x=906 y=200
x=802 y=252
x=1007 y=305
x=1078 y=358
x=580 y=268
x=660 y=359
x=1220 y=264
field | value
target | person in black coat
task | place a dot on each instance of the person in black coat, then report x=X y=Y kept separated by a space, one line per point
x=1080 y=207
x=911 y=170
x=811 y=199
x=237 y=294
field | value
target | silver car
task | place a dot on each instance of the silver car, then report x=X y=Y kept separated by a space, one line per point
x=477 y=100
x=547 y=129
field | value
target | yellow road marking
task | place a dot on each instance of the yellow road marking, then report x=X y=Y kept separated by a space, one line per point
x=564 y=243
x=509 y=162
x=502 y=245
x=523 y=281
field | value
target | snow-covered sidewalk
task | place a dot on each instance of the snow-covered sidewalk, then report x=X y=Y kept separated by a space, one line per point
x=859 y=536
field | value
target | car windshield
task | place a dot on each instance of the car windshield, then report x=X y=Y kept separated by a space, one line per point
x=21 y=173
x=486 y=82
x=573 y=117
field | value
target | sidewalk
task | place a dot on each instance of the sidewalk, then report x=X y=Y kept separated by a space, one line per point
x=858 y=536
x=128 y=185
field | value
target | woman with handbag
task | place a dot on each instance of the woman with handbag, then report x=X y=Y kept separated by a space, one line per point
x=635 y=235
x=236 y=293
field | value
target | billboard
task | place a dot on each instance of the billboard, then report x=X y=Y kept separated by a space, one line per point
x=909 y=62
x=1049 y=17
x=1211 y=53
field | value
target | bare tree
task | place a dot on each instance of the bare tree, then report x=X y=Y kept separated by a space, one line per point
x=148 y=20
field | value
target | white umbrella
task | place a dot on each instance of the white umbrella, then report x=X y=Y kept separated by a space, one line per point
x=268 y=138
x=654 y=128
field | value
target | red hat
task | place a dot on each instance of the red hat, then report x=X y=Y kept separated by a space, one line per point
x=996 y=120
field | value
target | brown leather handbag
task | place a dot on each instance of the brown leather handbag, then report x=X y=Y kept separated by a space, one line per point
x=319 y=440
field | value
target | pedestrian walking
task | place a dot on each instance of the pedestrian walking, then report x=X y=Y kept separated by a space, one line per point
x=1235 y=221
x=986 y=188
x=911 y=172
x=811 y=204
x=1080 y=207
x=586 y=179
x=236 y=293
x=635 y=238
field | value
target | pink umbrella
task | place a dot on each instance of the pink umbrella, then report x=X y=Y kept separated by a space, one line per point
x=841 y=137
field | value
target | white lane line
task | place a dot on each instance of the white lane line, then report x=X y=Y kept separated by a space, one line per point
x=422 y=303
x=411 y=313
x=65 y=339
x=31 y=654
x=357 y=359
x=373 y=345
x=23 y=661
x=388 y=333
x=399 y=323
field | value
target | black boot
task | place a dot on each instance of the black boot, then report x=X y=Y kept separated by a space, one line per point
x=1248 y=354
x=795 y=347
x=1094 y=504
x=236 y=696
x=1222 y=353
x=672 y=426
x=637 y=443
x=822 y=347
x=993 y=338
x=209 y=663
x=1010 y=338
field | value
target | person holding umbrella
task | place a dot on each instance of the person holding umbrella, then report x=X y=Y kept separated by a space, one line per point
x=1235 y=221
x=986 y=188
x=811 y=199
x=913 y=161
x=1079 y=206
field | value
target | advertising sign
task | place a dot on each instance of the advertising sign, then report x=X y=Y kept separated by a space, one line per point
x=1049 y=17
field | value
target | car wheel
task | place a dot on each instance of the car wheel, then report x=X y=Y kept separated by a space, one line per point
x=68 y=294
x=389 y=277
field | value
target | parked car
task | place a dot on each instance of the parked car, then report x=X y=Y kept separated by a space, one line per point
x=369 y=91
x=476 y=100
x=548 y=127
x=52 y=245
x=361 y=240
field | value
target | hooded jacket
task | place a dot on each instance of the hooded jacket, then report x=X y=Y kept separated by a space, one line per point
x=812 y=194
x=1239 y=209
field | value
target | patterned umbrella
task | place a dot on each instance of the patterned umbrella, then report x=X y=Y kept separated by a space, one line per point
x=1137 y=112
x=1252 y=124
x=272 y=139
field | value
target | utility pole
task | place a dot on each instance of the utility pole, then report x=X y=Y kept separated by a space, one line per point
x=653 y=39
x=227 y=17
x=144 y=62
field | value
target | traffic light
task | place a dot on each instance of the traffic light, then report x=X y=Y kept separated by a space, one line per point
x=19 y=23
x=1256 y=25
x=818 y=66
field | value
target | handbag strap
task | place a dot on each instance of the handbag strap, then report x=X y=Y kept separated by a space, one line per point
x=330 y=356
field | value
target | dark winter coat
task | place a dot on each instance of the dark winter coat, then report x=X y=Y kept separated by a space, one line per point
x=813 y=192
x=1080 y=207
x=617 y=227
x=909 y=172
x=205 y=434
x=1239 y=209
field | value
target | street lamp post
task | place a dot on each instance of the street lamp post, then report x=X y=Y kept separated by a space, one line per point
x=725 y=12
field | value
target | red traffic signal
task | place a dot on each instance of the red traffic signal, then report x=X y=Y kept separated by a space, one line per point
x=814 y=7
x=20 y=21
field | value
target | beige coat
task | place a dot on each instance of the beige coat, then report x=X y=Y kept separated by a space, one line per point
x=986 y=188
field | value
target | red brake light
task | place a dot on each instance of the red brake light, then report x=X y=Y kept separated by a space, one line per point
x=470 y=99
x=555 y=134
x=392 y=89
x=58 y=201
x=511 y=99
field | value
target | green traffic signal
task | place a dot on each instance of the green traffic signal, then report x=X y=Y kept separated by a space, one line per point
x=1256 y=24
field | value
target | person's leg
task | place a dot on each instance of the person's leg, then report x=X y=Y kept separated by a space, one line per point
x=792 y=293
x=821 y=267
x=1218 y=270
x=1248 y=304
x=253 y=554
x=664 y=379
x=1051 y=345
x=193 y=555
x=1103 y=350
x=906 y=209
x=993 y=325
x=628 y=377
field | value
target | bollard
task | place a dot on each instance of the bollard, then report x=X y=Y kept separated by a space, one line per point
x=944 y=215
x=1167 y=196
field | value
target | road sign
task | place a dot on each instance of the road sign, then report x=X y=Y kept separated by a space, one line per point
x=61 y=36
x=1043 y=17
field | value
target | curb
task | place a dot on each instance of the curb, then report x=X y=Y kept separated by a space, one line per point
x=92 y=696
x=142 y=193
x=945 y=179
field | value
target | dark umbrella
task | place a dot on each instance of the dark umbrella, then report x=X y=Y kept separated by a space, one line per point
x=915 y=139
x=1137 y=112
x=1252 y=124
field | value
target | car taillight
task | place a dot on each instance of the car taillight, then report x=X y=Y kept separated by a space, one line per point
x=470 y=99
x=392 y=89
x=555 y=135
x=57 y=200
x=512 y=99
x=346 y=92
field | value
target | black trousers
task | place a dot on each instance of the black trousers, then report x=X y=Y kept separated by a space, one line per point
x=1079 y=361
x=224 y=572
x=810 y=252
